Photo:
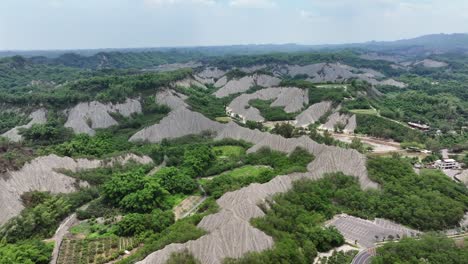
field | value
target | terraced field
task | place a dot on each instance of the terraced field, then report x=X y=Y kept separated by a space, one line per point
x=102 y=250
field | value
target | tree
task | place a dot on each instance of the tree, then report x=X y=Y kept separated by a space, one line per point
x=197 y=159
x=134 y=191
x=175 y=181
x=151 y=196
x=28 y=252
x=357 y=144
x=183 y=257
x=284 y=129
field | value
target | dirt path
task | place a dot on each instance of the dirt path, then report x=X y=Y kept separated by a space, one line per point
x=60 y=233
x=379 y=145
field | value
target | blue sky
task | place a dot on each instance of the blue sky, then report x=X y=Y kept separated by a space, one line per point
x=82 y=24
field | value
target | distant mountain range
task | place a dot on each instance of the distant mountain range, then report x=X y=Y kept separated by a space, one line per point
x=423 y=45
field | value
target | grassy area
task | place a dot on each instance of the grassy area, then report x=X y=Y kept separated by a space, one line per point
x=223 y=119
x=224 y=152
x=176 y=199
x=248 y=170
x=91 y=230
x=365 y=111
x=271 y=113
x=245 y=171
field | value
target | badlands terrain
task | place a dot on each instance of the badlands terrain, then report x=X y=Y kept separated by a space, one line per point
x=270 y=159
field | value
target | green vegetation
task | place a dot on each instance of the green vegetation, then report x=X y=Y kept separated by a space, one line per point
x=203 y=101
x=175 y=180
x=434 y=200
x=105 y=88
x=99 y=250
x=271 y=113
x=30 y=252
x=52 y=132
x=294 y=220
x=429 y=248
x=180 y=232
x=83 y=145
x=339 y=257
x=442 y=111
x=9 y=120
x=41 y=220
x=133 y=191
x=273 y=163
x=183 y=257
x=384 y=128
x=135 y=224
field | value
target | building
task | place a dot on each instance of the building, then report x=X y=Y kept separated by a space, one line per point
x=446 y=164
x=419 y=126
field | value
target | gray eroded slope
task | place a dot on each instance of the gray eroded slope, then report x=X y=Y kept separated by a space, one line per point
x=230 y=233
x=313 y=113
x=40 y=175
x=85 y=117
x=37 y=117
x=292 y=99
x=243 y=84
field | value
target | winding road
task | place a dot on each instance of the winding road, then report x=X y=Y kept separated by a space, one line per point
x=364 y=257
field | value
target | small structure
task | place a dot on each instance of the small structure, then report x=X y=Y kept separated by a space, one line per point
x=446 y=164
x=422 y=127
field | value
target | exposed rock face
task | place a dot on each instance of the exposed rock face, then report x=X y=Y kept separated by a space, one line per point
x=292 y=99
x=171 y=98
x=211 y=73
x=349 y=121
x=178 y=123
x=230 y=234
x=41 y=175
x=243 y=84
x=189 y=82
x=85 y=117
x=428 y=63
x=177 y=66
x=233 y=86
x=221 y=82
x=335 y=72
x=253 y=68
x=313 y=114
x=37 y=117
x=393 y=82
x=267 y=80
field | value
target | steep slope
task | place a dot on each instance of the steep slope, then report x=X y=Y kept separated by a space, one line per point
x=37 y=117
x=292 y=99
x=337 y=72
x=230 y=234
x=312 y=114
x=41 y=175
x=348 y=121
x=178 y=123
x=243 y=84
x=85 y=117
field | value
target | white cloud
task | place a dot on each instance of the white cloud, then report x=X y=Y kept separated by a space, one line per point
x=252 y=3
x=159 y=3
x=305 y=14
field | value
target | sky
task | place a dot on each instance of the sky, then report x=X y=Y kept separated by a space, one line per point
x=89 y=24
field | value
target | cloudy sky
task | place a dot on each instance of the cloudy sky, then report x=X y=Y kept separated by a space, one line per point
x=73 y=24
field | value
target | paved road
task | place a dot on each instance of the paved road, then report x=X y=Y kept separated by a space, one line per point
x=364 y=257
x=60 y=233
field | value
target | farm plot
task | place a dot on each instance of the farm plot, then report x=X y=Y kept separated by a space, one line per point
x=102 y=250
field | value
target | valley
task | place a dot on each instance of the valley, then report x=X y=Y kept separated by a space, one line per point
x=167 y=157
